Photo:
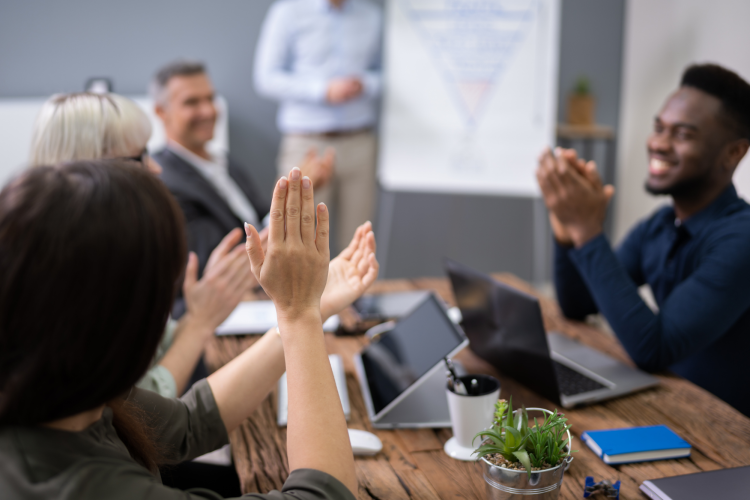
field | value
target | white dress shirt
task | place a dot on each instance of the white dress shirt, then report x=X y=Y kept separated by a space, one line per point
x=216 y=172
x=306 y=43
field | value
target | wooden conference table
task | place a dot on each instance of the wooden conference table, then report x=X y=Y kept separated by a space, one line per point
x=413 y=464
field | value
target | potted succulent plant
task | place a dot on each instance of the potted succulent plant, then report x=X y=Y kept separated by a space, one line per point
x=519 y=459
x=581 y=104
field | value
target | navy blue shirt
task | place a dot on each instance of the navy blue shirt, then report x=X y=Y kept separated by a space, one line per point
x=699 y=272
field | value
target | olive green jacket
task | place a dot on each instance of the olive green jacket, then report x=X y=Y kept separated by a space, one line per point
x=39 y=463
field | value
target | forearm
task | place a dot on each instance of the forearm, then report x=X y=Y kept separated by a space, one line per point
x=617 y=297
x=283 y=86
x=573 y=294
x=241 y=385
x=182 y=357
x=371 y=82
x=314 y=404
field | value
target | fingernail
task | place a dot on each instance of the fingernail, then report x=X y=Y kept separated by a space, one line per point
x=282 y=182
x=306 y=182
x=295 y=174
x=247 y=229
x=322 y=207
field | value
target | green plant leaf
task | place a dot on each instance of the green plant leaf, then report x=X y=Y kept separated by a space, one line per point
x=512 y=437
x=509 y=420
x=487 y=449
x=494 y=436
x=523 y=457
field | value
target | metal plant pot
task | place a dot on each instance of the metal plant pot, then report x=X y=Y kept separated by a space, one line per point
x=509 y=484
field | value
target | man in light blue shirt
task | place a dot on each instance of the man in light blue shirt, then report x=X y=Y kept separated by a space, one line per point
x=321 y=60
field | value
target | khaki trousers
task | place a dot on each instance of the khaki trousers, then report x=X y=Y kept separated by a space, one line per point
x=350 y=193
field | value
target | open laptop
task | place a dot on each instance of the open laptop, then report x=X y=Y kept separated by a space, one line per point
x=401 y=372
x=505 y=328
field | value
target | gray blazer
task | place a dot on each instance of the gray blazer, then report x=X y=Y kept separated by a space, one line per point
x=207 y=215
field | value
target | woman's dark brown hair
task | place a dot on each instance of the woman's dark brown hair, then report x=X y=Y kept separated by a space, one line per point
x=90 y=253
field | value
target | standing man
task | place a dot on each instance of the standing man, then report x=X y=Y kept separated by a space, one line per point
x=693 y=253
x=321 y=60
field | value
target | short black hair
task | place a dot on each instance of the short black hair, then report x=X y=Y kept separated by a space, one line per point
x=181 y=67
x=727 y=86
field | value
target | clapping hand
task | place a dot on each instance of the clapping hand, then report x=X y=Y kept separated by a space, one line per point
x=225 y=280
x=575 y=196
x=351 y=273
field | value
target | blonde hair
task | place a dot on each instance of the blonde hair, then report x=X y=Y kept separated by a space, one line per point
x=88 y=126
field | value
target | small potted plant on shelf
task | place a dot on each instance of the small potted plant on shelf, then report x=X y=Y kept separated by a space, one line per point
x=581 y=104
x=519 y=459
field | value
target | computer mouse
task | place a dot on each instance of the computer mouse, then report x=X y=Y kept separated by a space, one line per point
x=364 y=443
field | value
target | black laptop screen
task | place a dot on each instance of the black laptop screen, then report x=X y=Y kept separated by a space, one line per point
x=398 y=358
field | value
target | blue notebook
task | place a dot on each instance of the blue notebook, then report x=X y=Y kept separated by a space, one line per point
x=636 y=444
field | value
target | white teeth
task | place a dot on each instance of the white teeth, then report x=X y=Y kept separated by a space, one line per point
x=658 y=166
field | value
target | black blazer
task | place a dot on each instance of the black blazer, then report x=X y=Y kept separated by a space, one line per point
x=207 y=215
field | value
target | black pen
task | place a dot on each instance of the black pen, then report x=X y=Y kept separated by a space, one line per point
x=458 y=386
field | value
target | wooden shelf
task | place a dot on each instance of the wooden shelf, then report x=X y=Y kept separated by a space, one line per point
x=577 y=132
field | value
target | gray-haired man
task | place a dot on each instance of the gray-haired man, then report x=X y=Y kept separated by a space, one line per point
x=215 y=193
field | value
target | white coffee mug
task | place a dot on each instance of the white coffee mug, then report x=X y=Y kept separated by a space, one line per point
x=470 y=414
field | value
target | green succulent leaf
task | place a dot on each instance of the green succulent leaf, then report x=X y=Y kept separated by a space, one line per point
x=523 y=457
x=493 y=434
x=512 y=437
x=487 y=449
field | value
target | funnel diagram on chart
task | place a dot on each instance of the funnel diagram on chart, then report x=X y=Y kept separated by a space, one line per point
x=472 y=42
x=470 y=94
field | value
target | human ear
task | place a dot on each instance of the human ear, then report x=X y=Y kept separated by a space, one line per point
x=734 y=153
x=160 y=111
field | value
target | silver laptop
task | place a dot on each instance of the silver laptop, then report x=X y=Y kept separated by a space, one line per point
x=505 y=328
x=402 y=374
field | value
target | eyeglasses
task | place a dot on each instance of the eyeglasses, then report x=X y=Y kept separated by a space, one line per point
x=142 y=158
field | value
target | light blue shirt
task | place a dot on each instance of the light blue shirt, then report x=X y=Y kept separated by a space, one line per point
x=306 y=43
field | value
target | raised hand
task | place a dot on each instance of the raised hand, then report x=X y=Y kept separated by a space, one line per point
x=351 y=273
x=225 y=280
x=294 y=270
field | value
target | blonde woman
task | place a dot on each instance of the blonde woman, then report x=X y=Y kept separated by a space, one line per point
x=87 y=126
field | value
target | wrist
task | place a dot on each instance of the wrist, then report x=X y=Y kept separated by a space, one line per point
x=299 y=319
x=197 y=325
x=582 y=235
x=563 y=241
x=325 y=312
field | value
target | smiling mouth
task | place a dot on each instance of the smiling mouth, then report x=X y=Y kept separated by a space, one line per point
x=658 y=167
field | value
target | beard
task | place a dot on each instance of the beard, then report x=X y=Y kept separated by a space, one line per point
x=684 y=188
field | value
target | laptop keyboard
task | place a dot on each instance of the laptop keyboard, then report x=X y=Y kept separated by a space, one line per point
x=572 y=382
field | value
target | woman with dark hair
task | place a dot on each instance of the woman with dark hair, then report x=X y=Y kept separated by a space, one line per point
x=90 y=253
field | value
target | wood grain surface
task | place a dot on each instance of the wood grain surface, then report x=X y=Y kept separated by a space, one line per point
x=413 y=465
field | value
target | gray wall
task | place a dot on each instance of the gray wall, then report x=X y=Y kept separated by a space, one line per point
x=49 y=46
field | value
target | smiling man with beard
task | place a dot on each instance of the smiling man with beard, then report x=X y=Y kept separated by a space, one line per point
x=694 y=254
